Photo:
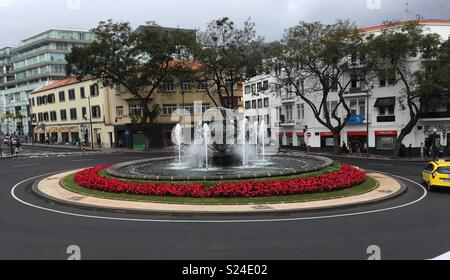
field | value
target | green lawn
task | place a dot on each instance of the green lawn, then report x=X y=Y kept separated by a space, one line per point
x=369 y=185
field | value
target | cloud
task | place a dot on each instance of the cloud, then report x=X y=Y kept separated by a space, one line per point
x=272 y=17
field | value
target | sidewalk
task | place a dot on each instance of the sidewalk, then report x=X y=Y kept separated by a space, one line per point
x=96 y=149
x=370 y=157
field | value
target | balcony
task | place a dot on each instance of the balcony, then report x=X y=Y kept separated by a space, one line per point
x=288 y=123
x=384 y=119
x=435 y=115
x=288 y=99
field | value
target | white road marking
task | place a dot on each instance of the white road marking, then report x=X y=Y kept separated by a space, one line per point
x=81 y=160
x=24 y=165
x=214 y=221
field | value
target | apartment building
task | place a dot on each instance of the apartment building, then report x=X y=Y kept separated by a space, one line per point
x=293 y=123
x=72 y=112
x=36 y=62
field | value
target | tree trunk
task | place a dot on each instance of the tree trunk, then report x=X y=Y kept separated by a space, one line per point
x=337 y=143
x=405 y=132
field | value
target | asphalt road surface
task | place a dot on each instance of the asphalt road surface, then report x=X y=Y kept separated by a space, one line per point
x=415 y=225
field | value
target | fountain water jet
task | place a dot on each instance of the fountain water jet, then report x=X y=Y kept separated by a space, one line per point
x=178 y=141
x=263 y=132
x=206 y=136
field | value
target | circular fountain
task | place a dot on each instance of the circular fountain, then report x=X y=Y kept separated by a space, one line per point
x=221 y=148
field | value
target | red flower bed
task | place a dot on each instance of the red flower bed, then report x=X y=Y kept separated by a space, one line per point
x=346 y=177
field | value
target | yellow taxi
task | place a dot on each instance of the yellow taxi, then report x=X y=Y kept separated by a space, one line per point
x=436 y=174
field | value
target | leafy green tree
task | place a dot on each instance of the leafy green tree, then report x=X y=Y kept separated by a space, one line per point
x=407 y=52
x=140 y=61
x=319 y=62
x=227 y=55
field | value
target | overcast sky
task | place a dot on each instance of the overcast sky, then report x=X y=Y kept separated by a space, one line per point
x=23 y=18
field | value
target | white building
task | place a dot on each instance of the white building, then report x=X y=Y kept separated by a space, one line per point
x=293 y=121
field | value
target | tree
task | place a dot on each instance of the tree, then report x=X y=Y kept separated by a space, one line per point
x=318 y=62
x=405 y=52
x=227 y=56
x=140 y=61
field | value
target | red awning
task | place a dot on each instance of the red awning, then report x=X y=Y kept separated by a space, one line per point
x=289 y=134
x=326 y=134
x=386 y=133
x=300 y=134
x=357 y=133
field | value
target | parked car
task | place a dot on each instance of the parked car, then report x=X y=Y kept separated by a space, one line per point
x=436 y=174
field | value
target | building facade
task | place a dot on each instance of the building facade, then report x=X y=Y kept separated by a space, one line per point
x=36 y=62
x=72 y=112
x=377 y=114
x=176 y=98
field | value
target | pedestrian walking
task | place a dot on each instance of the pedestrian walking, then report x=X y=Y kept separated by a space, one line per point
x=18 y=150
x=410 y=151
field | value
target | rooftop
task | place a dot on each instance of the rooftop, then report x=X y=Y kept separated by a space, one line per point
x=58 y=84
x=433 y=22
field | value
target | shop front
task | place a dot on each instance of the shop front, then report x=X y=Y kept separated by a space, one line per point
x=357 y=140
x=385 y=140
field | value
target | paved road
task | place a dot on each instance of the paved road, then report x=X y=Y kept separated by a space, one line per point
x=417 y=231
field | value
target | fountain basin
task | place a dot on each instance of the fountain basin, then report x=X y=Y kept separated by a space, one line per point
x=168 y=169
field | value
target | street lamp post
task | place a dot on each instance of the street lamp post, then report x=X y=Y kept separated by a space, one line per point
x=90 y=121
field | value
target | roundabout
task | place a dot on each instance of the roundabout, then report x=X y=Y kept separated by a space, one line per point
x=395 y=224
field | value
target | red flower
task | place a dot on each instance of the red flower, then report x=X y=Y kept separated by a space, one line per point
x=344 y=178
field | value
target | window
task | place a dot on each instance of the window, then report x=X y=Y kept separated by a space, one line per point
x=96 y=113
x=354 y=81
x=46 y=118
x=94 y=90
x=260 y=103
x=119 y=111
x=247 y=89
x=387 y=110
x=168 y=86
x=62 y=96
x=202 y=85
x=82 y=93
x=266 y=102
x=289 y=113
x=248 y=105
x=40 y=117
x=382 y=82
x=63 y=114
x=169 y=109
x=259 y=87
x=72 y=94
x=189 y=108
x=265 y=85
x=385 y=142
x=84 y=113
x=136 y=110
x=73 y=114
x=51 y=99
x=53 y=116
x=301 y=111
x=358 y=107
x=254 y=89
x=254 y=104
x=186 y=86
